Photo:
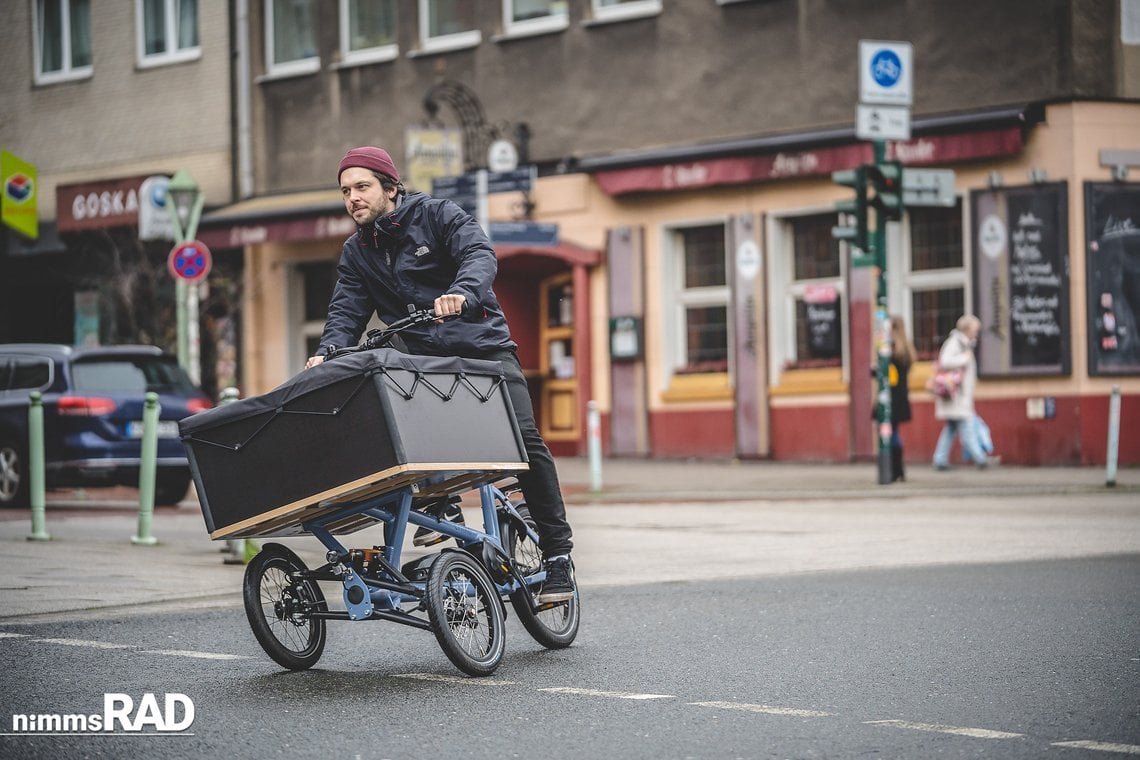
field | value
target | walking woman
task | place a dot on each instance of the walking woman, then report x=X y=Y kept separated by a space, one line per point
x=958 y=411
x=902 y=357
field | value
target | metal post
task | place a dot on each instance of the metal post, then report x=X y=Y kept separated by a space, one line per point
x=594 y=444
x=884 y=343
x=147 y=466
x=36 y=466
x=1113 y=437
x=238 y=551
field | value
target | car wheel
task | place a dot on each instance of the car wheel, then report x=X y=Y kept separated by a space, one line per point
x=169 y=489
x=14 y=480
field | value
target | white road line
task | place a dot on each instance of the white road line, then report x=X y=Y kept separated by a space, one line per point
x=610 y=694
x=465 y=680
x=768 y=709
x=978 y=733
x=191 y=653
x=85 y=643
x=6 y=635
x=1124 y=749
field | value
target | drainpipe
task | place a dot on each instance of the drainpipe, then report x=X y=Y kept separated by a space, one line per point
x=242 y=96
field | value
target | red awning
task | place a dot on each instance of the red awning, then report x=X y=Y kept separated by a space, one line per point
x=816 y=162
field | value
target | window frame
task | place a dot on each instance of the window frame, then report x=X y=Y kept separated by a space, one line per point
x=169 y=56
x=678 y=299
x=784 y=291
x=626 y=11
x=445 y=43
x=295 y=67
x=67 y=73
x=378 y=54
x=906 y=281
x=553 y=22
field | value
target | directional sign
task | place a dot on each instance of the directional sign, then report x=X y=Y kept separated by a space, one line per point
x=462 y=189
x=885 y=72
x=928 y=187
x=191 y=261
x=517 y=180
x=524 y=233
x=874 y=122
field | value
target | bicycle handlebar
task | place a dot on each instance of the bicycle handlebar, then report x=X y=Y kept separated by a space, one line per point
x=381 y=337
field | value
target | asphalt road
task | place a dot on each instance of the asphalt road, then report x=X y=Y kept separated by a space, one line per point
x=1003 y=660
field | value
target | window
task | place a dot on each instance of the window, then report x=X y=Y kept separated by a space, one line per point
x=815 y=292
x=701 y=315
x=168 y=31
x=63 y=40
x=290 y=37
x=367 y=30
x=620 y=10
x=317 y=281
x=936 y=276
x=25 y=373
x=447 y=25
x=523 y=17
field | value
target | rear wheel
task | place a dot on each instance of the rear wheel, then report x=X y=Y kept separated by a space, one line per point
x=14 y=480
x=466 y=613
x=555 y=626
x=280 y=608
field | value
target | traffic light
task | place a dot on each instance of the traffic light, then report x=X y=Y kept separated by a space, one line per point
x=887 y=179
x=856 y=235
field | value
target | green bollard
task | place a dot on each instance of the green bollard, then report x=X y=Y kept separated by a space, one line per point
x=239 y=551
x=147 y=465
x=36 y=466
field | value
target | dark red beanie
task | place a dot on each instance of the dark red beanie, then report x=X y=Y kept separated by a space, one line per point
x=374 y=159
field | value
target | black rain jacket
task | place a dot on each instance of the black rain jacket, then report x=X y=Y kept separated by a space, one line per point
x=427 y=247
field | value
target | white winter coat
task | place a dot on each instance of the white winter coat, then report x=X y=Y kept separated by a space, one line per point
x=957 y=352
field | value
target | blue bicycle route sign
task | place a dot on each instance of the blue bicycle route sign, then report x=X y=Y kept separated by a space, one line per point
x=885 y=72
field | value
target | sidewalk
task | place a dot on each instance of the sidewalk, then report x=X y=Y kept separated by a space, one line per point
x=91 y=564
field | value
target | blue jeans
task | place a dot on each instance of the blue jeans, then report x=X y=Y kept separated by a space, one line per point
x=964 y=429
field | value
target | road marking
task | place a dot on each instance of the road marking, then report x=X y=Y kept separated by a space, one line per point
x=978 y=733
x=768 y=709
x=465 y=680
x=1124 y=749
x=6 y=635
x=85 y=643
x=191 y=653
x=611 y=694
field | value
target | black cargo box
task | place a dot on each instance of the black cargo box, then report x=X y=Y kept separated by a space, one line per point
x=347 y=430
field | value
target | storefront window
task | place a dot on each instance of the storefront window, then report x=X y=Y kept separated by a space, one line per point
x=936 y=275
x=816 y=254
x=702 y=300
x=815 y=292
x=317 y=280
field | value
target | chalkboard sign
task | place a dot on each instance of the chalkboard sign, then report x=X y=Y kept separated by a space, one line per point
x=1112 y=232
x=821 y=318
x=1021 y=281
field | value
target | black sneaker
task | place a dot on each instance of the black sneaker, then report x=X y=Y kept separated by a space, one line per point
x=559 y=584
x=443 y=509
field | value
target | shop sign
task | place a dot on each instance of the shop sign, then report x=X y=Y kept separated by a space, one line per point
x=98 y=205
x=18 y=195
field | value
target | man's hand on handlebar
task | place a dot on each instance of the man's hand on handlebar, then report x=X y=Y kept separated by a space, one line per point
x=450 y=305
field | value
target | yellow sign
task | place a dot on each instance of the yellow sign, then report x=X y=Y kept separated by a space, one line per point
x=18 y=195
x=431 y=153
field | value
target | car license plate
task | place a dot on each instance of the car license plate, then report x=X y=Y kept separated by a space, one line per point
x=164 y=428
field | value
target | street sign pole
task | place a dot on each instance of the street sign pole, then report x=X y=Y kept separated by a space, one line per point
x=883 y=332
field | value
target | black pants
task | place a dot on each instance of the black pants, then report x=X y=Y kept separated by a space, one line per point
x=540 y=483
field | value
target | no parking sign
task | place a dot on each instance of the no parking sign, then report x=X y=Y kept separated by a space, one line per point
x=190 y=261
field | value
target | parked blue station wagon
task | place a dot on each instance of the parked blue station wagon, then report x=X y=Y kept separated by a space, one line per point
x=93 y=400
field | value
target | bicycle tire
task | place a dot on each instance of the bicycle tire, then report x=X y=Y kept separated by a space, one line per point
x=276 y=607
x=555 y=626
x=466 y=613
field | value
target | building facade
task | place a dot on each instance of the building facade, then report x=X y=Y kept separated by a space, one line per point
x=683 y=150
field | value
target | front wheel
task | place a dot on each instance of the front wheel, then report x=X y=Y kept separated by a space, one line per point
x=280 y=608
x=14 y=480
x=466 y=613
x=555 y=626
